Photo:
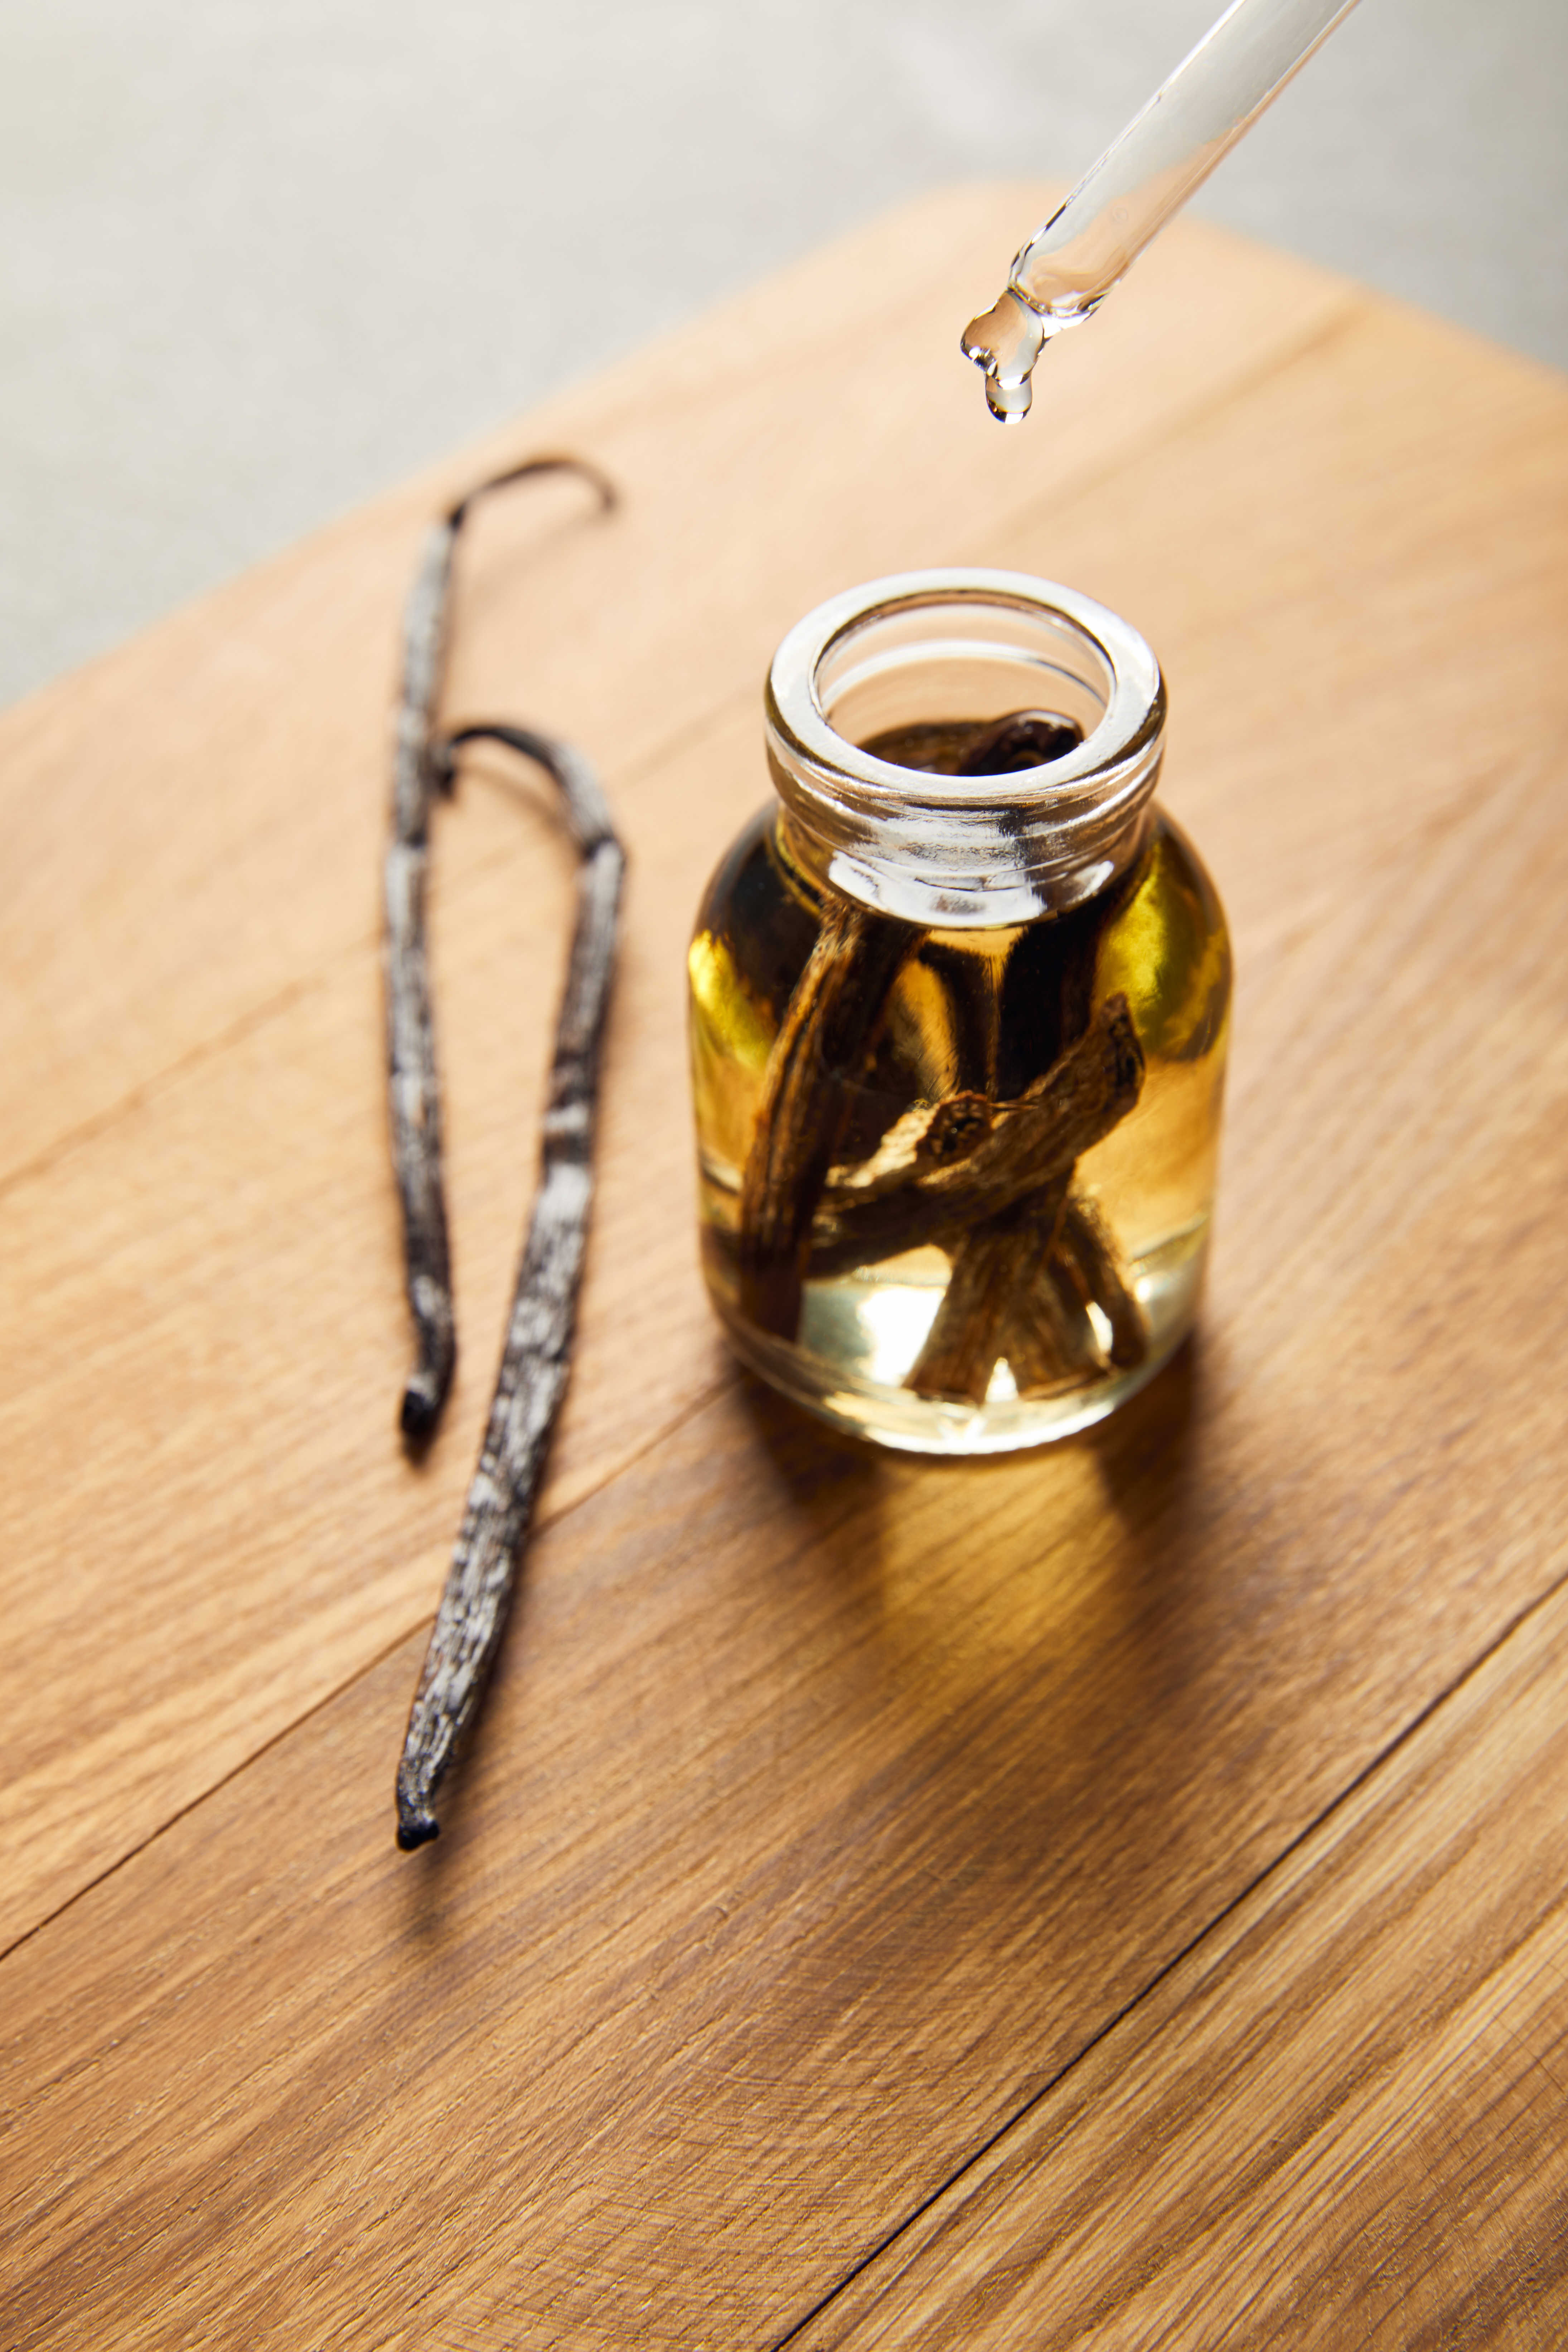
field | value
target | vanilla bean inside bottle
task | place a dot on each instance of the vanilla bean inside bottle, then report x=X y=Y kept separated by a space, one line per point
x=959 y=1012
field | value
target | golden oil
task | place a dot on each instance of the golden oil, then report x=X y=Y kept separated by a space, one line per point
x=962 y=1204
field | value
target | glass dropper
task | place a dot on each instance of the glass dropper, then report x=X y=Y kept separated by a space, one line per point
x=1071 y=263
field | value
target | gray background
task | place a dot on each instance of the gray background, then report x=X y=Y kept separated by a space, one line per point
x=261 y=257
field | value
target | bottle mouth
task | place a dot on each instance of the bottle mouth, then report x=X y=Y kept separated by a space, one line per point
x=929 y=648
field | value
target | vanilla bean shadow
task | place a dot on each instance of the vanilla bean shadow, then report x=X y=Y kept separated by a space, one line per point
x=536 y=1355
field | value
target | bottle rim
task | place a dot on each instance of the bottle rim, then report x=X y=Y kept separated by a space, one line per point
x=963 y=851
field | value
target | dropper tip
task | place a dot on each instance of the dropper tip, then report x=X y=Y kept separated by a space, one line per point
x=1007 y=341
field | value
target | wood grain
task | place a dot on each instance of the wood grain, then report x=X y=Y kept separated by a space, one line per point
x=214 y=1529
x=1341 y=2119
x=211 y=1280
x=829 y=1810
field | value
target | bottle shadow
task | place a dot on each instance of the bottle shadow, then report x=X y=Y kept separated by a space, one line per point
x=982 y=1629
x=1141 y=1455
x=1020 y=1631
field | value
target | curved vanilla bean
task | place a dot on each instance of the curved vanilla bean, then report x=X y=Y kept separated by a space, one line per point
x=535 y=1359
x=977 y=747
x=414 y=1097
x=1066 y=1111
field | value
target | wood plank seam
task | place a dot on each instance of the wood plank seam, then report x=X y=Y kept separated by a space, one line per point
x=1359 y=1780
x=452 y=889
x=547 y=1519
x=147 y=1088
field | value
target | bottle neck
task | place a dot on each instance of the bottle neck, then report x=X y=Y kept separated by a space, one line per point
x=934 y=649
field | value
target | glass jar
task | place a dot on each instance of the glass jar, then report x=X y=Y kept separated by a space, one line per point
x=960 y=1003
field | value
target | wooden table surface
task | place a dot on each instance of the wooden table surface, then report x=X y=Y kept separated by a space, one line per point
x=1113 y=1897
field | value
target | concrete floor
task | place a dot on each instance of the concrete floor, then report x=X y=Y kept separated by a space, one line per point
x=261 y=257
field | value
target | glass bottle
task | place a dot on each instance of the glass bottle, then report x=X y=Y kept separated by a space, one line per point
x=960 y=1004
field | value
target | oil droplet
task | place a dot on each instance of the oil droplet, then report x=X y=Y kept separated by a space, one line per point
x=1007 y=341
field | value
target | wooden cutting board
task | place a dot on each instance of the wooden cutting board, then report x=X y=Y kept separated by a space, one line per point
x=1111 y=1898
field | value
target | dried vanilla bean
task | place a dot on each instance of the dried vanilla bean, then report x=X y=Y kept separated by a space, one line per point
x=1022 y=739
x=957 y=1124
x=413 y=1092
x=965 y=1337
x=830 y=1027
x=1045 y=1332
x=1021 y=1286
x=1070 y=1107
x=972 y=746
x=834 y=1017
x=1088 y=1253
x=536 y=1356
x=1021 y=1283
x=534 y=1361
x=1046 y=1335
x=1023 y=1279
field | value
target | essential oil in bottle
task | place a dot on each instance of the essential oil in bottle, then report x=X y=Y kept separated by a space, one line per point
x=956 y=1174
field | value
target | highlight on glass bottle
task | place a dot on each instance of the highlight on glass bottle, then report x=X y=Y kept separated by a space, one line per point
x=960 y=1005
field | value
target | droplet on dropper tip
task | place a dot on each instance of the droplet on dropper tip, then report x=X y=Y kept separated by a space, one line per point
x=1009 y=404
x=1007 y=341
